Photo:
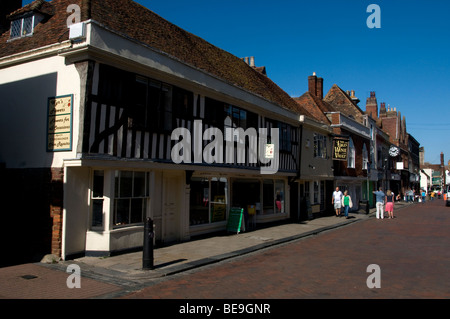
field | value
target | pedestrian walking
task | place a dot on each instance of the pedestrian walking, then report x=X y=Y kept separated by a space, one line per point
x=347 y=203
x=380 y=196
x=390 y=203
x=336 y=200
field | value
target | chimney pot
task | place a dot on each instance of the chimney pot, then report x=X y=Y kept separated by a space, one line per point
x=252 y=61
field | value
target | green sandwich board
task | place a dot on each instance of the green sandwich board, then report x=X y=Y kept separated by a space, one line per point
x=235 y=219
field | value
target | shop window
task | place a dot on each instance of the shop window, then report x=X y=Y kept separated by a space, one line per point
x=218 y=205
x=208 y=200
x=131 y=194
x=97 y=199
x=246 y=192
x=268 y=197
x=199 y=203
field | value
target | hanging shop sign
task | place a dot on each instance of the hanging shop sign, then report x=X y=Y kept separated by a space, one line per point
x=340 y=149
x=59 y=123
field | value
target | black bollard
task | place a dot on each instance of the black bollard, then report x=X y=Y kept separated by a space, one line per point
x=147 y=253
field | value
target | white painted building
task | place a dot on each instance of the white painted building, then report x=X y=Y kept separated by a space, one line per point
x=92 y=108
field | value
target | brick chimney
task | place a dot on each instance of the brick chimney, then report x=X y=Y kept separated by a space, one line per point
x=382 y=109
x=372 y=106
x=319 y=88
x=315 y=86
x=353 y=97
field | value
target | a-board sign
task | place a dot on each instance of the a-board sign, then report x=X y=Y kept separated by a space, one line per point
x=235 y=219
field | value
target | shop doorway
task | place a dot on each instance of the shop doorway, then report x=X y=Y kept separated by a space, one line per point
x=172 y=200
x=246 y=192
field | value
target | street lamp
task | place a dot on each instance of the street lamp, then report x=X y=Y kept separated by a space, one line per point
x=385 y=173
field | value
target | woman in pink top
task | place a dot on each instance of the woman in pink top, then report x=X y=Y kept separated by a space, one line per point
x=389 y=200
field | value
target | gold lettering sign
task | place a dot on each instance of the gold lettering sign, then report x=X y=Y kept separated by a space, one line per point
x=340 y=149
x=59 y=126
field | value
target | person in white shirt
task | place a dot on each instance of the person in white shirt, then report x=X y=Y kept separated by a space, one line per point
x=337 y=201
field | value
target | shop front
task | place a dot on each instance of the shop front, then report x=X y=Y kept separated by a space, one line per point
x=213 y=195
x=105 y=207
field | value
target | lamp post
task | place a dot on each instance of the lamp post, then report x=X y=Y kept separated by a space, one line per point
x=385 y=173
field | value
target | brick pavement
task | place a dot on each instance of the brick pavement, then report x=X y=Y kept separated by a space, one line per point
x=49 y=281
x=411 y=250
x=35 y=281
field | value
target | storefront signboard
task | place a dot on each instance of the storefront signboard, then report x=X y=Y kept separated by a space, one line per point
x=59 y=123
x=340 y=149
x=235 y=220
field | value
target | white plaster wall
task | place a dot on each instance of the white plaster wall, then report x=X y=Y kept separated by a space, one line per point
x=24 y=91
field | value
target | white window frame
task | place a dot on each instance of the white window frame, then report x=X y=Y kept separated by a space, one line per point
x=351 y=154
x=117 y=196
x=22 y=22
x=94 y=198
x=320 y=146
x=365 y=157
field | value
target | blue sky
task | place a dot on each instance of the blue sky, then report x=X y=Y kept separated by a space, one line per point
x=406 y=61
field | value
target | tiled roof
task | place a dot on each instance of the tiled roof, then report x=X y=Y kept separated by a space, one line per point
x=314 y=107
x=39 y=6
x=340 y=101
x=50 y=31
x=137 y=22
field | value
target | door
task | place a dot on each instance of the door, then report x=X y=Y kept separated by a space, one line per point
x=171 y=207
